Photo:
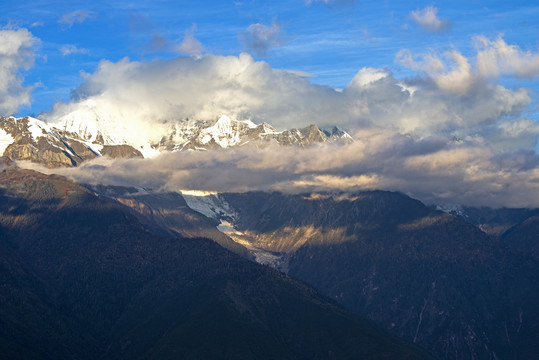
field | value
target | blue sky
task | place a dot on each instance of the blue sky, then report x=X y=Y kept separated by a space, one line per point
x=330 y=40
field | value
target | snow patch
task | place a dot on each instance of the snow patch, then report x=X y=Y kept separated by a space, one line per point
x=149 y=151
x=227 y=227
x=250 y=124
x=214 y=206
x=209 y=204
x=224 y=132
x=37 y=128
x=5 y=140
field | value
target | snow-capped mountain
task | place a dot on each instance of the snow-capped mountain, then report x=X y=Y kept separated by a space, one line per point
x=32 y=139
x=74 y=138
x=226 y=132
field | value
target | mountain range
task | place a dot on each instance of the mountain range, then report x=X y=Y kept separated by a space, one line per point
x=147 y=273
x=82 y=278
x=423 y=274
x=70 y=142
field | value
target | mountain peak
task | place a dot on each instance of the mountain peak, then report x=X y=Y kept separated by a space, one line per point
x=31 y=139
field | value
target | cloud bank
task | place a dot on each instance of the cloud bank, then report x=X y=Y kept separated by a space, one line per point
x=433 y=170
x=451 y=134
x=16 y=54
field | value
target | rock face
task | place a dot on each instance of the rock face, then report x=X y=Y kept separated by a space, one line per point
x=31 y=139
x=120 y=151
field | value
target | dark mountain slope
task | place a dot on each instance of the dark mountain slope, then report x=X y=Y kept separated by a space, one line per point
x=525 y=236
x=425 y=275
x=83 y=279
x=495 y=222
x=166 y=213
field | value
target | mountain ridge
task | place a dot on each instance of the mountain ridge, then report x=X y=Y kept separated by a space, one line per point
x=70 y=142
x=83 y=278
x=421 y=273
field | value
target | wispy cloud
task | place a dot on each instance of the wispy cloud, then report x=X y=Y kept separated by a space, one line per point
x=72 y=49
x=260 y=38
x=428 y=19
x=77 y=16
x=16 y=53
x=190 y=45
x=158 y=42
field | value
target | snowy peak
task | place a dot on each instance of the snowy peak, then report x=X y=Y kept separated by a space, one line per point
x=83 y=135
x=226 y=132
x=32 y=139
x=337 y=134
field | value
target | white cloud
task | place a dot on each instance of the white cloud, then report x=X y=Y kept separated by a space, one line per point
x=204 y=88
x=450 y=134
x=78 y=16
x=157 y=93
x=16 y=53
x=259 y=38
x=454 y=73
x=190 y=45
x=495 y=58
x=72 y=49
x=367 y=76
x=428 y=19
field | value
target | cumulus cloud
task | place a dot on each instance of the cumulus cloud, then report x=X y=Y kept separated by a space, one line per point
x=16 y=53
x=495 y=58
x=259 y=38
x=428 y=19
x=130 y=95
x=77 y=16
x=450 y=134
x=454 y=73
